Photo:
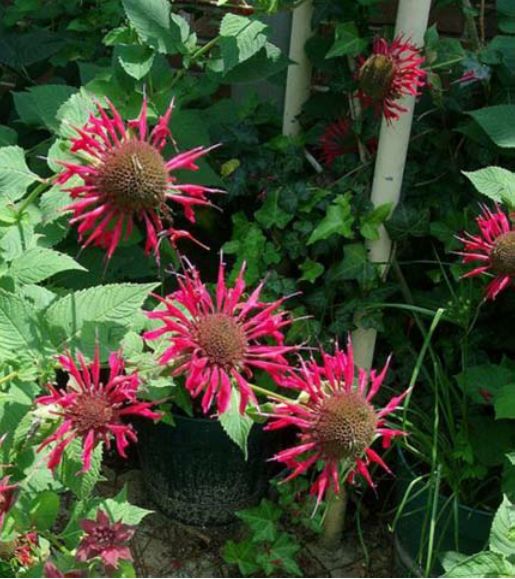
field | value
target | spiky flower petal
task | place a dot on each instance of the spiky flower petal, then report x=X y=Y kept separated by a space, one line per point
x=216 y=341
x=93 y=410
x=492 y=249
x=106 y=540
x=392 y=71
x=126 y=180
x=7 y=498
x=337 y=421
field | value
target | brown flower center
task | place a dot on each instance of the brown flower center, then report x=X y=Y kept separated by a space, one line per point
x=90 y=412
x=502 y=257
x=222 y=339
x=346 y=426
x=376 y=75
x=134 y=176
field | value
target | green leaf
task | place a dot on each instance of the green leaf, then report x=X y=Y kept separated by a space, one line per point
x=8 y=136
x=115 y=303
x=270 y=214
x=495 y=122
x=19 y=328
x=74 y=113
x=483 y=564
x=151 y=19
x=504 y=402
x=242 y=38
x=484 y=381
x=347 y=41
x=40 y=263
x=69 y=470
x=237 y=426
x=121 y=510
x=262 y=520
x=15 y=176
x=494 y=182
x=338 y=220
x=136 y=60
x=502 y=534
x=407 y=221
x=311 y=270
x=370 y=223
x=505 y=46
x=39 y=105
x=242 y=554
x=45 y=509
x=355 y=265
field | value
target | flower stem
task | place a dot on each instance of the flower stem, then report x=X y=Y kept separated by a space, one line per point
x=269 y=393
x=33 y=195
x=8 y=377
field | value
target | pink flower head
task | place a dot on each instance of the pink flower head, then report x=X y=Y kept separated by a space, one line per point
x=7 y=498
x=51 y=570
x=337 y=140
x=93 y=410
x=125 y=179
x=392 y=71
x=25 y=548
x=216 y=340
x=106 y=540
x=337 y=422
x=492 y=249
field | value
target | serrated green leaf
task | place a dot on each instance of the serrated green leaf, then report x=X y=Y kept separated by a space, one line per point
x=44 y=510
x=242 y=38
x=69 y=470
x=494 y=182
x=483 y=564
x=338 y=220
x=38 y=106
x=136 y=60
x=151 y=20
x=40 y=263
x=8 y=136
x=493 y=120
x=19 y=327
x=116 y=303
x=15 y=176
x=74 y=112
x=120 y=509
x=347 y=41
x=237 y=426
x=242 y=554
x=502 y=534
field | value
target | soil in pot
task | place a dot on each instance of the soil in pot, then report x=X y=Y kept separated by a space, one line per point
x=196 y=474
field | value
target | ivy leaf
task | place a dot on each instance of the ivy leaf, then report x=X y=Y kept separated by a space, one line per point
x=262 y=520
x=504 y=402
x=355 y=265
x=347 y=41
x=38 y=106
x=114 y=303
x=237 y=426
x=121 y=510
x=40 y=263
x=242 y=554
x=407 y=221
x=136 y=60
x=311 y=270
x=282 y=554
x=495 y=182
x=493 y=120
x=15 y=176
x=338 y=220
x=369 y=224
x=270 y=214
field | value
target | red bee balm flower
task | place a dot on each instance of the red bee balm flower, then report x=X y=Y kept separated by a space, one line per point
x=50 y=570
x=217 y=340
x=126 y=179
x=337 y=140
x=93 y=411
x=391 y=72
x=493 y=248
x=106 y=540
x=7 y=498
x=337 y=420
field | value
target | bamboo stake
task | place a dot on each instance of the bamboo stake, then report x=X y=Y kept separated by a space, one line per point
x=412 y=19
x=298 y=80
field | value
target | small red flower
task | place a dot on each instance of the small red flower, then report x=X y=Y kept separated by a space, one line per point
x=7 y=498
x=127 y=180
x=106 y=540
x=337 y=421
x=337 y=140
x=391 y=72
x=50 y=570
x=493 y=248
x=216 y=341
x=25 y=548
x=94 y=411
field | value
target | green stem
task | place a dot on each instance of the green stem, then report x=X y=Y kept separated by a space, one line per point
x=8 y=377
x=270 y=394
x=33 y=195
x=194 y=57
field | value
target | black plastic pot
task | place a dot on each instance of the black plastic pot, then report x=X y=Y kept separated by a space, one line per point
x=196 y=474
x=458 y=528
